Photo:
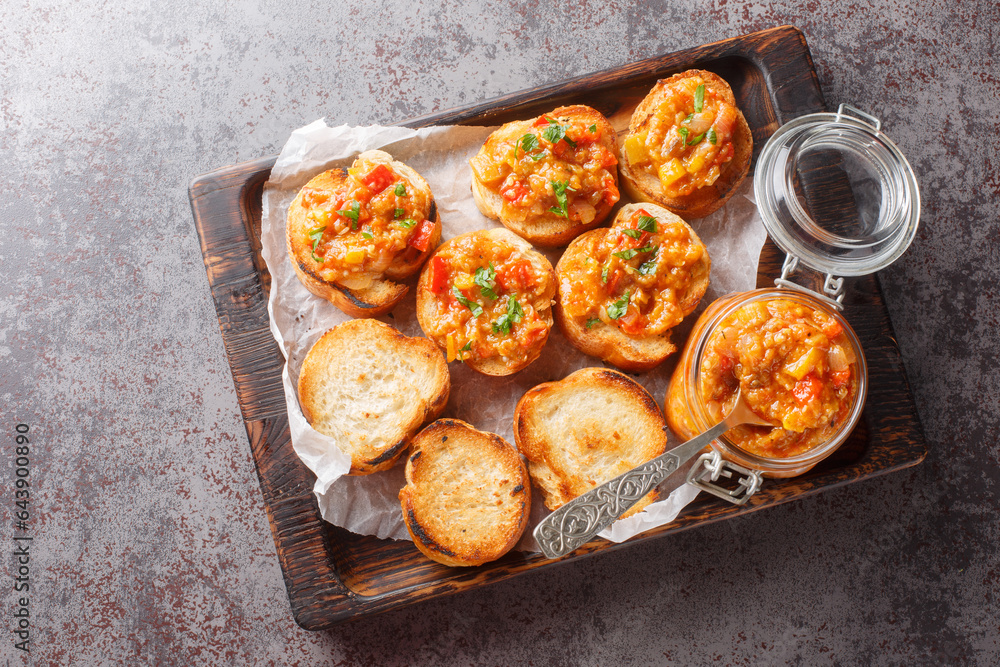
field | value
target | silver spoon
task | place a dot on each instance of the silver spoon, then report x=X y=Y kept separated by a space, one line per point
x=573 y=524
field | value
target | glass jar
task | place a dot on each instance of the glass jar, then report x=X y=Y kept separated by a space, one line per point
x=841 y=200
x=691 y=406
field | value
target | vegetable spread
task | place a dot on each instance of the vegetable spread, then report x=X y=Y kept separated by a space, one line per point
x=796 y=368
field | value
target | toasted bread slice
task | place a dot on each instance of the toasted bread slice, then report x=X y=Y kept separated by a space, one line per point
x=586 y=429
x=354 y=258
x=657 y=288
x=371 y=388
x=583 y=152
x=645 y=185
x=514 y=306
x=467 y=496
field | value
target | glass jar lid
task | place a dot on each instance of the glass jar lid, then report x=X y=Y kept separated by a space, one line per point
x=836 y=193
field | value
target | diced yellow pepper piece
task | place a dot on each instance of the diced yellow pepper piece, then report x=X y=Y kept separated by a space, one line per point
x=322 y=216
x=805 y=364
x=464 y=280
x=635 y=148
x=355 y=256
x=696 y=164
x=671 y=172
x=451 y=347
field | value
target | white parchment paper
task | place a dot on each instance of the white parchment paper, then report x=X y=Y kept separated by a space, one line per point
x=369 y=504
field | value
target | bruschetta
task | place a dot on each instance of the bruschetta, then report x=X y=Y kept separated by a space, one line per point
x=353 y=233
x=623 y=288
x=467 y=497
x=688 y=147
x=551 y=178
x=371 y=388
x=485 y=298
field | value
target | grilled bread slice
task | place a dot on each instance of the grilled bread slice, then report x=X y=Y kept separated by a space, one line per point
x=551 y=178
x=485 y=298
x=371 y=388
x=586 y=429
x=467 y=496
x=622 y=289
x=686 y=151
x=353 y=233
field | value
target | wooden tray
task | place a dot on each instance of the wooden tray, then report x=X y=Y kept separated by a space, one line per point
x=333 y=575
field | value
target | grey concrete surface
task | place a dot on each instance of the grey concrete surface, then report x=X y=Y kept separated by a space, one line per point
x=151 y=545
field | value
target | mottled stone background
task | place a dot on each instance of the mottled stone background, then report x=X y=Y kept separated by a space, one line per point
x=151 y=543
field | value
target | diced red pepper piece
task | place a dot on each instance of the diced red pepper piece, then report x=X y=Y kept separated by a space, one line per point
x=421 y=237
x=514 y=191
x=611 y=193
x=840 y=378
x=832 y=329
x=379 y=178
x=632 y=322
x=439 y=275
x=807 y=389
x=613 y=278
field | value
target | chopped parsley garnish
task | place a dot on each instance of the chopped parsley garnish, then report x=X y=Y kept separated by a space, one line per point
x=400 y=190
x=476 y=309
x=649 y=266
x=486 y=279
x=647 y=223
x=699 y=98
x=604 y=274
x=398 y=213
x=352 y=213
x=684 y=132
x=618 y=308
x=712 y=137
x=316 y=235
x=555 y=133
x=688 y=118
x=506 y=321
x=529 y=144
x=696 y=140
x=560 y=188
x=632 y=252
x=592 y=322
x=407 y=222
x=634 y=233
x=466 y=347
x=592 y=129
x=367 y=234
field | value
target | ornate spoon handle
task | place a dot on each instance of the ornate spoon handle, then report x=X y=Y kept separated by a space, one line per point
x=573 y=524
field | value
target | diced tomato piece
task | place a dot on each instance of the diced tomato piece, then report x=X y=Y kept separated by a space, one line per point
x=421 y=237
x=840 y=378
x=514 y=191
x=726 y=364
x=439 y=274
x=542 y=121
x=725 y=154
x=611 y=194
x=516 y=277
x=832 y=329
x=632 y=322
x=531 y=335
x=609 y=159
x=807 y=389
x=379 y=178
x=613 y=278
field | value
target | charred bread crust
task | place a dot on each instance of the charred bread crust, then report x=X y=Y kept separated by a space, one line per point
x=429 y=317
x=586 y=429
x=644 y=187
x=546 y=229
x=467 y=497
x=384 y=292
x=371 y=388
x=607 y=341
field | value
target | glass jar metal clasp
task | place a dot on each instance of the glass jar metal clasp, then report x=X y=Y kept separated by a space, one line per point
x=833 y=287
x=710 y=468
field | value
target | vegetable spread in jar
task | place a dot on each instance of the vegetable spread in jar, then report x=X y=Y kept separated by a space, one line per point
x=362 y=223
x=643 y=275
x=796 y=368
x=560 y=168
x=687 y=138
x=485 y=299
